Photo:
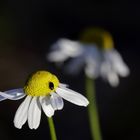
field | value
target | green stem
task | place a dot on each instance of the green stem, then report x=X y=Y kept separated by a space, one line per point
x=92 y=110
x=52 y=129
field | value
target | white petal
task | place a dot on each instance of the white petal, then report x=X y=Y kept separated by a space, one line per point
x=72 y=96
x=57 y=56
x=117 y=62
x=34 y=113
x=21 y=113
x=63 y=49
x=63 y=85
x=122 y=69
x=5 y=95
x=70 y=48
x=113 y=79
x=2 y=98
x=109 y=74
x=14 y=94
x=56 y=101
x=18 y=93
x=46 y=106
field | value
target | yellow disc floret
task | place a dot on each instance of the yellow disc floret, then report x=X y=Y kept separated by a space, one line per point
x=41 y=83
x=107 y=41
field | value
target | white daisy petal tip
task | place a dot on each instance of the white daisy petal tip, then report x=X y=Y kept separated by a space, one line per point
x=86 y=103
x=126 y=72
x=18 y=127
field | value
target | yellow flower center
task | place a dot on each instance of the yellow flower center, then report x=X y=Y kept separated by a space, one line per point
x=41 y=83
x=107 y=41
x=97 y=36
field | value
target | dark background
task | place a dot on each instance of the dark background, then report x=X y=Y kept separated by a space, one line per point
x=27 y=29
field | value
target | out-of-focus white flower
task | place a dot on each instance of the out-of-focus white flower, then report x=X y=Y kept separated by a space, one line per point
x=96 y=62
x=42 y=90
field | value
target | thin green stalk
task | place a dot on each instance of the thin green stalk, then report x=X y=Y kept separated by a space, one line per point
x=52 y=129
x=92 y=110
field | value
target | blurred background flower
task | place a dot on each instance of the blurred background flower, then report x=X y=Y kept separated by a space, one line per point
x=26 y=32
x=95 y=53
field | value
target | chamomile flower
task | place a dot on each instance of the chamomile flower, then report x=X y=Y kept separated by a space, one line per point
x=42 y=90
x=95 y=53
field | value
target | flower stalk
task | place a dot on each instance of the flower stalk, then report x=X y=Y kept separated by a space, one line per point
x=92 y=110
x=52 y=129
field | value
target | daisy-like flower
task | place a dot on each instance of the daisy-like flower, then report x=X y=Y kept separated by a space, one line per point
x=95 y=53
x=42 y=90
